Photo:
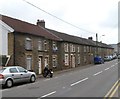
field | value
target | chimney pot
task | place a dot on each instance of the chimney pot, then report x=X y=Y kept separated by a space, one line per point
x=41 y=23
x=90 y=38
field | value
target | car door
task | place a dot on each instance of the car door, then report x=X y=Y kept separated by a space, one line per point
x=25 y=76
x=14 y=74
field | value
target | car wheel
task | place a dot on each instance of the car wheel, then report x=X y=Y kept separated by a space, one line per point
x=32 y=79
x=9 y=83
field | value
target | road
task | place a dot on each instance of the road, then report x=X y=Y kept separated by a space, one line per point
x=93 y=81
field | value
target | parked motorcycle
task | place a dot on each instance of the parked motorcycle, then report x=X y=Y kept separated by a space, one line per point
x=48 y=73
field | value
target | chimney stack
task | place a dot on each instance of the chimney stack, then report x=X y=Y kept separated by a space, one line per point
x=90 y=38
x=41 y=23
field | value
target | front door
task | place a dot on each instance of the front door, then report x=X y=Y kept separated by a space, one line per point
x=72 y=60
x=46 y=62
x=40 y=64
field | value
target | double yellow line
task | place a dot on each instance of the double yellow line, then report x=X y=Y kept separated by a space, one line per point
x=113 y=90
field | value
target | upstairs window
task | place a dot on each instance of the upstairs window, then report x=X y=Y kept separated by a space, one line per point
x=72 y=48
x=45 y=45
x=88 y=49
x=66 y=47
x=78 y=49
x=85 y=49
x=28 y=44
x=54 y=46
x=40 y=45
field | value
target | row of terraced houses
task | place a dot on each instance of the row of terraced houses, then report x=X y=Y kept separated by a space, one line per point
x=33 y=46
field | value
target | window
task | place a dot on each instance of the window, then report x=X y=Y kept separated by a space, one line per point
x=28 y=44
x=72 y=48
x=29 y=62
x=88 y=49
x=66 y=47
x=45 y=45
x=66 y=59
x=40 y=45
x=13 y=70
x=54 y=61
x=21 y=69
x=85 y=49
x=54 y=46
x=78 y=59
x=78 y=49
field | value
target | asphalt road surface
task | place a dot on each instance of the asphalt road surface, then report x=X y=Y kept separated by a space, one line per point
x=93 y=81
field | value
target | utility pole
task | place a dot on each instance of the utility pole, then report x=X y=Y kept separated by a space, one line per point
x=96 y=44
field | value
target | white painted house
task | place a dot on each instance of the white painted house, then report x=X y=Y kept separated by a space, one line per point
x=4 y=30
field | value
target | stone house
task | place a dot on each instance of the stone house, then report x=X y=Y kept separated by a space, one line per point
x=77 y=51
x=34 y=46
x=29 y=45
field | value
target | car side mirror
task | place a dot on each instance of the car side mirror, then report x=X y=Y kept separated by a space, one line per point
x=25 y=71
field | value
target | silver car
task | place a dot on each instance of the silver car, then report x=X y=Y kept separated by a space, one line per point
x=15 y=74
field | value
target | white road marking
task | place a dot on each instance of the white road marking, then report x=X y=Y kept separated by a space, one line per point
x=48 y=94
x=112 y=65
x=107 y=68
x=97 y=73
x=78 y=81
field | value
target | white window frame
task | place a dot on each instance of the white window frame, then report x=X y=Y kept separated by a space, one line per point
x=29 y=62
x=85 y=49
x=45 y=45
x=28 y=44
x=66 y=59
x=54 y=45
x=66 y=47
x=79 y=59
x=54 y=60
x=78 y=49
x=40 y=45
x=72 y=48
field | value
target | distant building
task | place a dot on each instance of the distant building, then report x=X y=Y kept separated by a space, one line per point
x=115 y=47
x=118 y=46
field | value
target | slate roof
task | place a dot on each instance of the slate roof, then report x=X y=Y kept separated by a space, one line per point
x=78 y=40
x=68 y=38
x=25 y=27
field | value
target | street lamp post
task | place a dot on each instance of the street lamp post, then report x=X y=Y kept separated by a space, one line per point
x=97 y=43
x=101 y=37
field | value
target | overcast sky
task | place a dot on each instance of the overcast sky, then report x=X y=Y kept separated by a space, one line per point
x=92 y=16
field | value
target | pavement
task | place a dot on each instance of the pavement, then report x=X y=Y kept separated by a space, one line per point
x=66 y=70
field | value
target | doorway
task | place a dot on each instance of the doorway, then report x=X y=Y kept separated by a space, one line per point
x=40 y=64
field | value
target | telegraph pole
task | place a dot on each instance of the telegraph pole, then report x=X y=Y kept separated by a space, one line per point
x=96 y=44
